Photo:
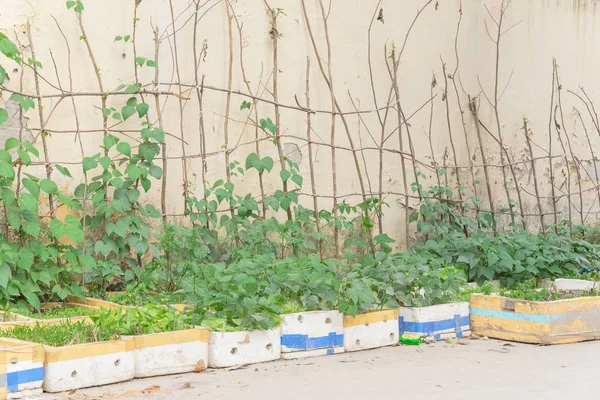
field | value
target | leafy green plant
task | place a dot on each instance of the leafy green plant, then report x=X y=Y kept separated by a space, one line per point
x=140 y=320
x=64 y=334
x=63 y=312
x=465 y=294
x=43 y=268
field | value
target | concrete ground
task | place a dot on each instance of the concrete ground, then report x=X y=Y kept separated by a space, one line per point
x=477 y=369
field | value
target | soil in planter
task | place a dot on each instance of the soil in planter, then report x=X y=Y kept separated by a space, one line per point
x=64 y=312
x=529 y=291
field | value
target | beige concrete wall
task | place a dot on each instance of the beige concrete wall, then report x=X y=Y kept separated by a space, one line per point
x=540 y=30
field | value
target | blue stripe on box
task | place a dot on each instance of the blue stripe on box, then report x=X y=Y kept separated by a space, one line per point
x=303 y=342
x=432 y=327
x=484 y=312
x=14 y=379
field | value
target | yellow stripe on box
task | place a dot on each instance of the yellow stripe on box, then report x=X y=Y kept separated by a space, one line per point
x=368 y=318
x=165 y=338
x=89 y=301
x=64 y=353
x=535 y=307
x=20 y=350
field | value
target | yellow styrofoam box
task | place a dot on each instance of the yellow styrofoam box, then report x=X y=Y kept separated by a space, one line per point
x=543 y=322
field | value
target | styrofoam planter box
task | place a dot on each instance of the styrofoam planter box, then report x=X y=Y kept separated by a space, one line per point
x=22 y=367
x=435 y=322
x=371 y=330
x=574 y=285
x=171 y=352
x=539 y=322
x=227 y=349
x=91 y=364
x=310 y=334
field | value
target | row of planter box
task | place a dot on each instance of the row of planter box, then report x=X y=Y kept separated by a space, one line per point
x=29 y=367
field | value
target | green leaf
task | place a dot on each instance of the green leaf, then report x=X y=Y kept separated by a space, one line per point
x=142 y=109
x=48 y=186
x=127 y=112
x=245 y=104
x=110 y=141
x=31 y=223
x=5 y=274
x=11 y=143
x=2 y=75
x=117 y=182
x=106 y=112
x=131 y=89
x=140 y=61
x=105 y=162
x=285 y=203
x=383 y=238
x=251 y=160
x=293 y=196
x=25 y=102
x=285 y=175
x=63 y=170
x=268 y=125
x=145 y=184
x=14 y=217
x=132 y=101
x=117 y=116
x=25 y=258
x=126 y=38
x=57 y=228
x=297 y=179
x=89 y=164
x=268 y=163
x=118 y=38
x=30 y=148
x=28 y=202
x=69 y=201
x=159 y=135
x=9 y=49
x=70 y=4
x=155 y=171
x=32 y=186
x=24 y=156
x=32 y=299
x=137 y=243
x=151 y=63
x=3 y=116
x=124 y=148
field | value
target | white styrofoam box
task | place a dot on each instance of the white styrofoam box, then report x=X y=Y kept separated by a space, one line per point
x=86 y=365
x=575 y=285
x=24 y=367
x=312 y=353
x=371 y=330
x=28 y=394
x=495 y=285
x=227 y=349
x=171 y=352
x=432 y=321
x=306 y=332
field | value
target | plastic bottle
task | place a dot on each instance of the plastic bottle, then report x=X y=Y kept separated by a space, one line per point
x=411 y=341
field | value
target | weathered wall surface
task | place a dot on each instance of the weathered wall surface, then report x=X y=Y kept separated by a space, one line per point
x=534 y=32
